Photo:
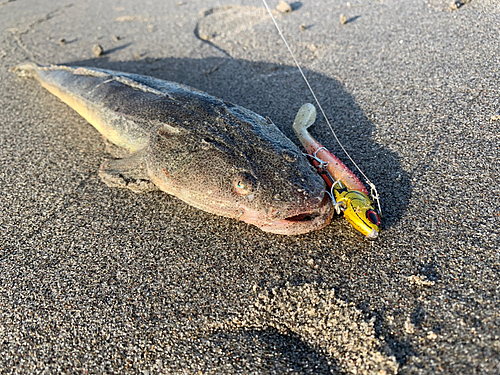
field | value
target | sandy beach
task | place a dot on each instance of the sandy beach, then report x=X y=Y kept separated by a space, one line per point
x=103 y=280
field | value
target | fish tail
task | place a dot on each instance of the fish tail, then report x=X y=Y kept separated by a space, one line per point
x=28 y=70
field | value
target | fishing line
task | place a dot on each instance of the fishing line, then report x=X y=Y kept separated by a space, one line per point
x=374 y=192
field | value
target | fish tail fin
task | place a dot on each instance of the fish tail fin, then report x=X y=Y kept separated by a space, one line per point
x=28 y=69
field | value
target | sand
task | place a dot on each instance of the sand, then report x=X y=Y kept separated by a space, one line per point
x=95 y=279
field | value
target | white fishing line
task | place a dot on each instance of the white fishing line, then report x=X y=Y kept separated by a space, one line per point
x=373 y=188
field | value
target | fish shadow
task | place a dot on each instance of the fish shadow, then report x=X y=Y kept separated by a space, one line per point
x=278 y=91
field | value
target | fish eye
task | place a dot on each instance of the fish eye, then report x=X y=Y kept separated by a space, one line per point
x=243 y=184
x=373 y=217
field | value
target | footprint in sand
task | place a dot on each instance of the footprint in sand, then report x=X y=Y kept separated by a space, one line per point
x=314 y=316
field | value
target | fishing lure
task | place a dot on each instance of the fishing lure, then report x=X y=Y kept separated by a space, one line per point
x=346 y=190
x=348 y=193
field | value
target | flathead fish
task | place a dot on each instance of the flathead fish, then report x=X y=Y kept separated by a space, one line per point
x=212 y=154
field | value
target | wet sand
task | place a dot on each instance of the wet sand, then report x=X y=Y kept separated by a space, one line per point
x=108 y=281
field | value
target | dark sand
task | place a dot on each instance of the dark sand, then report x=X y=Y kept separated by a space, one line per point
x=104 y=280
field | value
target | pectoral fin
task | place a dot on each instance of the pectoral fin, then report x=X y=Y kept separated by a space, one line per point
x=129 y=172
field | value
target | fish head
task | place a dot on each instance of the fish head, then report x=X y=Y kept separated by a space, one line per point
x=359 y=210
x=288 y=197
x=242 y=171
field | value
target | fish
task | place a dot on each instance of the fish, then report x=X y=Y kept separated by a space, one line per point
x=213 y=155
x=346 y=189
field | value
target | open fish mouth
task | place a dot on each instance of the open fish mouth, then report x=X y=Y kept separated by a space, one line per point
x=303 y=217
x=299 y=222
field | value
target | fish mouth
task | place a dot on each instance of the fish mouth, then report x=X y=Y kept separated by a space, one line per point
x=298 y=221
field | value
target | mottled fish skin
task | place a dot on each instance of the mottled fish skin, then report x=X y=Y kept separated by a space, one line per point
x=214 y=155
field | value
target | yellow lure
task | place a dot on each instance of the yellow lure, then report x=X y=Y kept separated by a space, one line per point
x=359 y=210
x=347 y=191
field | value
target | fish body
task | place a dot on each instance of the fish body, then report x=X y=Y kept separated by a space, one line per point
x=214 y=155
x=346 y=189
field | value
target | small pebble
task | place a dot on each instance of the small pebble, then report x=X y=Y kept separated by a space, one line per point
x=62 y=41
x=302 y=27
x=420 y=280
x=343 y=19
x=116 y=38
x=431 y=335
x=97 y=50
x=283 y=7
x=458 y=4
x=409 y=327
